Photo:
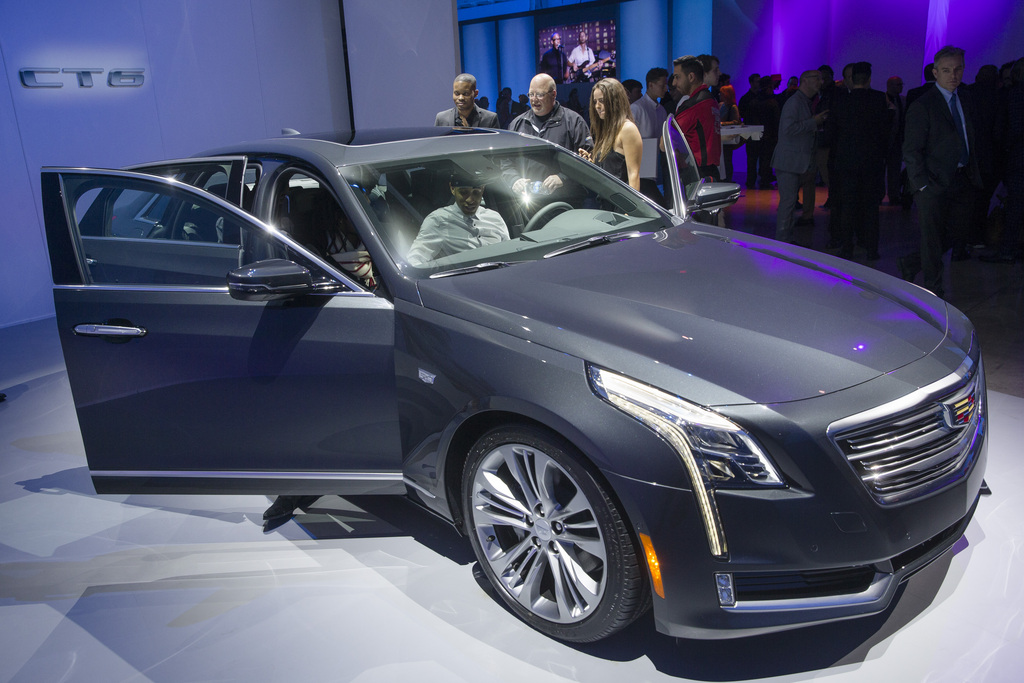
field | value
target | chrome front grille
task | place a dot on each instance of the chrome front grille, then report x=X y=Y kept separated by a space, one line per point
x=916 y=449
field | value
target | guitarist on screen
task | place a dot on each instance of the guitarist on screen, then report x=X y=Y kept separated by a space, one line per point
x=581 y=60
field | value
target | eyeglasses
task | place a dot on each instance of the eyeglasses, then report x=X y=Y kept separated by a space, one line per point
x=539 y=95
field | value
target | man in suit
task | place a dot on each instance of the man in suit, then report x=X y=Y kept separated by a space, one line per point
x=465 y=112
x=940 y=151
x=793 y=159
x=860 y=133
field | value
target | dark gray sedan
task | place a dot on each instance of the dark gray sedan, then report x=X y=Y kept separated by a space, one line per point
x=621 y=408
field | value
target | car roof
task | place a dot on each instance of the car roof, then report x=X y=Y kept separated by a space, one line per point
x=343 y=148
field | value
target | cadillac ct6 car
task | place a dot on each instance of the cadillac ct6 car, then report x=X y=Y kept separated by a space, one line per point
x=621 y=409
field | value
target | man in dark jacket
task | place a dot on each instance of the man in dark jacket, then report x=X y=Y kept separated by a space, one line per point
x=547 y=119
x=940 y=151
x=750 y=112
x=860 y=137
x=465 y=112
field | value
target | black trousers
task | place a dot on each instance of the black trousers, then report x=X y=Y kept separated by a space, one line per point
x=860 y=191
x=944 y=218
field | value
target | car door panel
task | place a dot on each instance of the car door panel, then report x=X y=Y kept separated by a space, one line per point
x=129 y=261
x=210 y=393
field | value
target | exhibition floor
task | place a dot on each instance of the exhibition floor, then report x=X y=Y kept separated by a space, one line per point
x=190 y=588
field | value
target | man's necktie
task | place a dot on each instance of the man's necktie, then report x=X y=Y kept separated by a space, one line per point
x=959 y=123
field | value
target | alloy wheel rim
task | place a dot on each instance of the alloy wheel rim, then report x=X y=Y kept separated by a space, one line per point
x=539 y=533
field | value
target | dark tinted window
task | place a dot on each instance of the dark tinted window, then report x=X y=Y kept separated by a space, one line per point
x=136 y=231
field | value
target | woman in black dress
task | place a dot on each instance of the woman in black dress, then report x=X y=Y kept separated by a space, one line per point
x=617 y=144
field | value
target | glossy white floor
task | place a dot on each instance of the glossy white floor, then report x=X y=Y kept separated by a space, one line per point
x=189 y=588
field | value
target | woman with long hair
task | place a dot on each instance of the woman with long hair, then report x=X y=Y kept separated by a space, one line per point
x=617 y=144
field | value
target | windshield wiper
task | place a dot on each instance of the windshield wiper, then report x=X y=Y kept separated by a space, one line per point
x=595 y=241
x=489 y=265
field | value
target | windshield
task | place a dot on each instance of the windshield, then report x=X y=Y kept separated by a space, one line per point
x=477 y=209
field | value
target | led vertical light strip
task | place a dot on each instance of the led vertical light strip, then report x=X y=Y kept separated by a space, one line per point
x=705 y=499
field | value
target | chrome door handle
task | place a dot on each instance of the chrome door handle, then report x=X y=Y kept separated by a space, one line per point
x=98 y=330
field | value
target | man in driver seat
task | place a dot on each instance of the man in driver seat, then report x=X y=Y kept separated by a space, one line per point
x=459 y=226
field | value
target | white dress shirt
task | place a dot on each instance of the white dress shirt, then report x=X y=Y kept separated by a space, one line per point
x=648 y=116
x=581 y=55
x=449 y=230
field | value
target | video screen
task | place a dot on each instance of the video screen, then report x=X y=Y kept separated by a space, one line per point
x=578 y=52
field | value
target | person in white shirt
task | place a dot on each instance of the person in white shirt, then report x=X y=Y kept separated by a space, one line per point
x=581 y=57
x=648 y=114
x=457 y=227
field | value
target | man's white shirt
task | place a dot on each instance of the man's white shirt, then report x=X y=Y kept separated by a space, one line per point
x=648 y=116
x=449 y=230
x=581 y=55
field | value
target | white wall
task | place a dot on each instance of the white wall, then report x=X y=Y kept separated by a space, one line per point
x=403 y=56
x=215 y=72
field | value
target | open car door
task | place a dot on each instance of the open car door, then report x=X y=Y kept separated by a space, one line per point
x=284 y=384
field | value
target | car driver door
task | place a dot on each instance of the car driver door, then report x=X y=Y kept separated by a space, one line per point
x=182 y=388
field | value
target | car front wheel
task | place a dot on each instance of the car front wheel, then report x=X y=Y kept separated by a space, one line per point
x=548 y=536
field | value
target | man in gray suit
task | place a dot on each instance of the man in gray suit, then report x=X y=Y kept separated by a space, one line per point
x=940 y=150
x=793 y=159
x=465 y=112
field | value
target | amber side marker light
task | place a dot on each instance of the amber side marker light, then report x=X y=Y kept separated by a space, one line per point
x=652 y=564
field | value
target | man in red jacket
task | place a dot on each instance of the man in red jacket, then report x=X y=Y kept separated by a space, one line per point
x=696 y=114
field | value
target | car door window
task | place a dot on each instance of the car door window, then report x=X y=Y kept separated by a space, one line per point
x=226 y=177
x=306 y=210
x=137 y=231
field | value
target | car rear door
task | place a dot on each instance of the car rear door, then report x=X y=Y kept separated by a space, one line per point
x=181 y=388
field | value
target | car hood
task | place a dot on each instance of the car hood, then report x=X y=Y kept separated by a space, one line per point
x=717 y=316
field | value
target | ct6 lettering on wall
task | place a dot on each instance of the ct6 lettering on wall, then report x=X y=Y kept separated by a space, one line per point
x=52 y=77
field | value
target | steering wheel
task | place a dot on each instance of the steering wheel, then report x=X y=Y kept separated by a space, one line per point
x=545 y=214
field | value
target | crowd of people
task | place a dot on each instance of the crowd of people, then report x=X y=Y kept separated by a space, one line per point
x=608 y=130
x=863 y=144
x=953 y=150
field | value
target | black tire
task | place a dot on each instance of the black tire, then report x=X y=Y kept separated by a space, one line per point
x=549 y=538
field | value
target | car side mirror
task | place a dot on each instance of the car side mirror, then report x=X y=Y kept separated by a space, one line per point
x=269 y=280
x=712 y=196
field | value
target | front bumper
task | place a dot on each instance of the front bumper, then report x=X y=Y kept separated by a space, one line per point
x=824 y=548
x=828 y=582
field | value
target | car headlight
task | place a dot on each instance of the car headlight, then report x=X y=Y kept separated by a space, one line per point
x=716 y=452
